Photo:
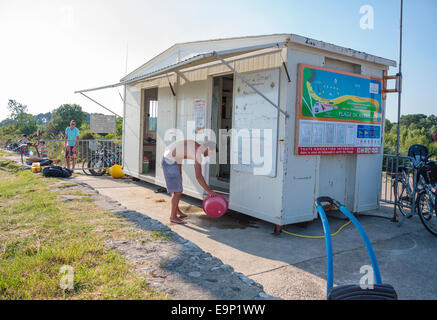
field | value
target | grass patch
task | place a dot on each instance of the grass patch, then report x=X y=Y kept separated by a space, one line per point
x=78 y=193
x=66 y=185
x=9 y=165
x=39 y=234
x=160 y=235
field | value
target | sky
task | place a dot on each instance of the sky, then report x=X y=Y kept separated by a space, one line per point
x=50 y=48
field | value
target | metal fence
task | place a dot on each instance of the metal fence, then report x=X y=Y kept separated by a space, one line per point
x=90 y=154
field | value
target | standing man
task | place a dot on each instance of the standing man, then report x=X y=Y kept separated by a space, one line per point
x=174 y=154
x=71 y=142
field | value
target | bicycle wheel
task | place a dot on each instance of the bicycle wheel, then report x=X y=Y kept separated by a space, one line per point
x=85 y=166
x=427 y=211
x=97 y=167
x=404 y=199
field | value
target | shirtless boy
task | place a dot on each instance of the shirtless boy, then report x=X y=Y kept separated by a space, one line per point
x=174 y=154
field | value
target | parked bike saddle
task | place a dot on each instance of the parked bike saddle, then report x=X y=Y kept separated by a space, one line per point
x=418 y=152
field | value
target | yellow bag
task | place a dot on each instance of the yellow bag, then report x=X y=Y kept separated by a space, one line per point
x=36 y=167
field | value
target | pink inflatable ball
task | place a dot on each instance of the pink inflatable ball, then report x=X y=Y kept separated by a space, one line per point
x=215 y=207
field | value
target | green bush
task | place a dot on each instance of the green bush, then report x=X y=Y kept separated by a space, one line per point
x=415 y=129
x=87 y=135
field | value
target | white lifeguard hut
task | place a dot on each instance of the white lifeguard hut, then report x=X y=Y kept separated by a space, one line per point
x=315 y=109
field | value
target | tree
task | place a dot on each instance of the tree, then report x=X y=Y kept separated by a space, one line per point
x=52 y=131
x=433 y=148
x=15 y=108
x=19 y=120
x=408 y=119
x=433 y=132
x=67 y=112
x=43 y=118
x=433 y=120
x=7 y=122
x=119 y=127
x=61 y=118
x=25 y=123
x=415 y=129
x=388 y=125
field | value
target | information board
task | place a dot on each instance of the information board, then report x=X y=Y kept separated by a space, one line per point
x=200 y=115
x=337 y=112
x=101 y=123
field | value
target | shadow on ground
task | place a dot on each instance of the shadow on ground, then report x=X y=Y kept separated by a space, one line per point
x=291 y=267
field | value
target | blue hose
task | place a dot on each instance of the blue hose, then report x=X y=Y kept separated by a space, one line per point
x=367 y=243
x=328 y=241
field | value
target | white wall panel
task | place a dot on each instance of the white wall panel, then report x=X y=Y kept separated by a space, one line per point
x=131 y=148
x=166 y=121
x=186 y=94
x=261 y=196
x=301 y=173
x=369 y=167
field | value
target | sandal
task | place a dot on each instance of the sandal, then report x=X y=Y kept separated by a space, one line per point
x=177 y=221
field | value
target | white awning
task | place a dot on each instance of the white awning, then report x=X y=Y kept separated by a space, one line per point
x=191 y=62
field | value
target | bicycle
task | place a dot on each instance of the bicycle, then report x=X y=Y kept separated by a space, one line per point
x=421 y=191
x=85 y=167
x=404 y=190
x=103 y=160
x=427 y=199
x=14 y=146
x=86 y=162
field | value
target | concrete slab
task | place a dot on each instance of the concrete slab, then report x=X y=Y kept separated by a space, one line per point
x=291 y=267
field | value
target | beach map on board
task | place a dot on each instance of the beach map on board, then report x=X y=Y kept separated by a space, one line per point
x=338 y=112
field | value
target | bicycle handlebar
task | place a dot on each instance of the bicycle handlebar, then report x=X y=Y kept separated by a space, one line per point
x=417 y=163
x=429 y=156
